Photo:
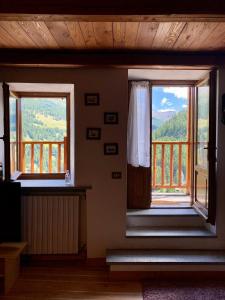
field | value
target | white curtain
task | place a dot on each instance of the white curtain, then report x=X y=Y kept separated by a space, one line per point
x=138 y=131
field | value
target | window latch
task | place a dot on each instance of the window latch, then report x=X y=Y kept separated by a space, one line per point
x=3 y=137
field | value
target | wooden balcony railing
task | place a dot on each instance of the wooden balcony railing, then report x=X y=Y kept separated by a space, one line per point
x=170 y=165
x=170 y=161
x=34 y=153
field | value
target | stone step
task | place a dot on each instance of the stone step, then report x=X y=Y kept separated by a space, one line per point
x=163 y=217
x=165 y=257
x=168 y=232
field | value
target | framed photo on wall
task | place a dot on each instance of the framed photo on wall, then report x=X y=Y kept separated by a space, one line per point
x=91 y=99
x=111 y=118
x=93 y=134
x=111 y=149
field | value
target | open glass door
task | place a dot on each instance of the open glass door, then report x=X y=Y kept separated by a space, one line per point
x=205 y=148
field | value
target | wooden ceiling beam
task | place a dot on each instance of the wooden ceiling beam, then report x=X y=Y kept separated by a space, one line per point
x=98 y=59
x=113 y=18
x=110 y=10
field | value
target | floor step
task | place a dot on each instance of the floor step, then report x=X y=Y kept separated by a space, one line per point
x=163 y=217
x=165 y=257
x=168 y=232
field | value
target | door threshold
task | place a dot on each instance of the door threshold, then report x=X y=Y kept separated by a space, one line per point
x=180 y=211
x=170 y=200
x=170 y=206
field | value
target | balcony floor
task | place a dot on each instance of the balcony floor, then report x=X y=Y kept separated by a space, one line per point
x=170 y=200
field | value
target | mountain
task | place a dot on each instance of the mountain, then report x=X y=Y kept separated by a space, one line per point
x=160 y=117
x=156 y=123
x=164 y=115
x=174 y=129
x=43 y=119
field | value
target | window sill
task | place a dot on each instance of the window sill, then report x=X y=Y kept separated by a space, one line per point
x=50 y=187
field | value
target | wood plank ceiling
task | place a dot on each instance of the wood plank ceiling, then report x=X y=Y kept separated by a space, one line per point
x=187 y=36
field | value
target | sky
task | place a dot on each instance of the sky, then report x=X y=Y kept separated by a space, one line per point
x=169 y=98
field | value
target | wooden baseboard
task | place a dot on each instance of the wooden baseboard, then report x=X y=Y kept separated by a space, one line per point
x=52 y=257
x=58 y=259
x=96 y=262
x=170 y=275
x=49 y=260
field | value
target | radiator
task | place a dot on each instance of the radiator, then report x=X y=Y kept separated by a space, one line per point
x=50 y=224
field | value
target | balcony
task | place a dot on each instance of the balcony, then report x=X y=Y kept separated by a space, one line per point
x=42 y=157
x=170 y=173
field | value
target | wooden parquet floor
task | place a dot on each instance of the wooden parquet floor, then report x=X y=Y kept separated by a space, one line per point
x=71 y=282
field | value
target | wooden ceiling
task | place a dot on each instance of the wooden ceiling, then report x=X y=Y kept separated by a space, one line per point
x=186 y=36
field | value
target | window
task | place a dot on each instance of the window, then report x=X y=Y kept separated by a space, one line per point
x=39 y=134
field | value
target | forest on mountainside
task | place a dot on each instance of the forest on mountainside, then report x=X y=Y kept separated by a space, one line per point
x=174 y=129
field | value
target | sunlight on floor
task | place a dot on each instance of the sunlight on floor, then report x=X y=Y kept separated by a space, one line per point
x=171 y=200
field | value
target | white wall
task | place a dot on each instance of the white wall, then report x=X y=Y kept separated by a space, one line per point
x=106 y=202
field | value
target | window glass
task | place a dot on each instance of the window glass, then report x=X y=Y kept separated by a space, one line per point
x=43 y=139
x=203 y=125
x=44 y=134
x=170 y=139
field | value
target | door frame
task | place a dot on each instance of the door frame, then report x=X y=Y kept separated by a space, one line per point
x=190 y=84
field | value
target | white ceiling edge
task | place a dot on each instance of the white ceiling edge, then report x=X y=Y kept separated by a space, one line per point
x=41 y=87
x=153 y=74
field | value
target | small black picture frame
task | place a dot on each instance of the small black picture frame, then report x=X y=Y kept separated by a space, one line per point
x=93 y=133
x=111 y=118
x=111 y=149
x=91 y=99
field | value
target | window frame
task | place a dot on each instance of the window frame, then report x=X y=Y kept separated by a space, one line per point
x=190 y=84
x=32 y=176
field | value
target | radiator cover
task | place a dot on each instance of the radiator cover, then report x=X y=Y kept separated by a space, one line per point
x=50 y=224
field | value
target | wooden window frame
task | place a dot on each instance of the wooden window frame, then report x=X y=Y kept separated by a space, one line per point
x=32 y=176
